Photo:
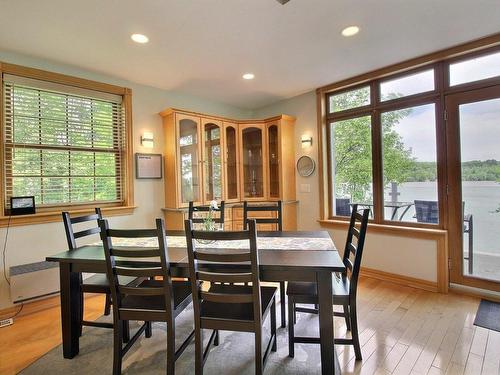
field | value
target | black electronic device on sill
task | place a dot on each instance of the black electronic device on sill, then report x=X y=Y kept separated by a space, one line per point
x=22 y=205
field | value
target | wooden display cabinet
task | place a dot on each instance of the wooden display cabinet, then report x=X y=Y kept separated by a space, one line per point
x=214 y=158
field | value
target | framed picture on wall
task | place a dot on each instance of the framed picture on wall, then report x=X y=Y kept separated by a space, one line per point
x=148 y=166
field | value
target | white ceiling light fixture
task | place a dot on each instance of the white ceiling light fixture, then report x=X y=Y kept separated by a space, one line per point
x=139 y=38
x=248 y=76
x=350 y=31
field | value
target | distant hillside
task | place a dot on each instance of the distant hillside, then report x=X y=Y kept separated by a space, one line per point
x=476 y=170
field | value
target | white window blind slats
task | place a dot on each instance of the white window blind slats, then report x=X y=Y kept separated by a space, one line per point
x=61 y=147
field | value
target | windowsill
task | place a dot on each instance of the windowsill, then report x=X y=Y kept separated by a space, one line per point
x=55 y=216
x=396 y=230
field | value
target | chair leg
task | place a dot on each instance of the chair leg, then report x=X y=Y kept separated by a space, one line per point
x=117 y=348
x=216 y=338
x=347 y=317
x=198 y=346
x=294 y=314
x=149 y=329
x=283 y=303
x=125 y=331
x=259 y=360
x=273 y=326
x=171 y=347
x=107 y=305
x=354 y=331
x=291 y=334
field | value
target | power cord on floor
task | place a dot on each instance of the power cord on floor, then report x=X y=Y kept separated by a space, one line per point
x=4 y=252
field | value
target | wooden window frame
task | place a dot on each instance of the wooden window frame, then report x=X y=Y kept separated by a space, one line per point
x=440 y=62
x=53 y=213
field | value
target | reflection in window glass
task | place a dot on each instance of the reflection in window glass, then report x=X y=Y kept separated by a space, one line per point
x=407 y=85
x=350 y=99
x=475 y=69
x=410 y=165
x=351 y=155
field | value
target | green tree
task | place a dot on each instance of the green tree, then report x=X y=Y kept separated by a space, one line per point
x=352 y=149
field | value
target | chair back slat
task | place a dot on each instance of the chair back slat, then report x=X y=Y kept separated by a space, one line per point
x=205 y=265
x=133 y=252
x=86 y=232
x=71 y=235
x=219 y=277
x=355 y=232
x=124 y=261
x=219 y=219
x=361 y=220
x=222 y=257
x=278 y=220
x=226 y=297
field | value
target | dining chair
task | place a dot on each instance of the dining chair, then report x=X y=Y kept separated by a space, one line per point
x=278 y=221
x=97 y=283
x=153 y=300
x=242 y=308
x=194 y=209
x=344 y=288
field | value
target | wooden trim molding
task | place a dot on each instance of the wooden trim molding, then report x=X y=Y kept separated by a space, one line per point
x=53 y=214
x=412 y=282
x=438 y=235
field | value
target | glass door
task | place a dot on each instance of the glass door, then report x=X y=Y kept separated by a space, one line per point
x=231 y=173
x=473 y=138
x=189 y=159
x=273 y=161
x=212 y=160
x=252 y=157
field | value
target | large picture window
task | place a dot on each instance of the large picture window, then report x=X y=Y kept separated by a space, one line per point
x=63 y=145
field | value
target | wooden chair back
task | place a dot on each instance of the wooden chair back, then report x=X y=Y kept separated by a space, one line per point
x=139 y=262
x=193 y=209
x=71 y=235
x=278 y=220
x=243 y=267
x=354 y=246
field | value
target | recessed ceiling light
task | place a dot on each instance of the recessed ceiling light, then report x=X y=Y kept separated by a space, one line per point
x=248 y=76
x=139 y=38
x=350 y=31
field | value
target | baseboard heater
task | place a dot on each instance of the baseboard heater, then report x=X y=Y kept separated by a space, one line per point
x=34 y=281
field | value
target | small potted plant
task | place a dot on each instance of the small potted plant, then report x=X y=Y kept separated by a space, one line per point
x=208 y=222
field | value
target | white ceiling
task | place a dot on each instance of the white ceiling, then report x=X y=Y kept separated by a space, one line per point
x=202 y=47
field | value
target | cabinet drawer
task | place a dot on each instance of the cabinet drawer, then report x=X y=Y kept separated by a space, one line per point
x=238 y=214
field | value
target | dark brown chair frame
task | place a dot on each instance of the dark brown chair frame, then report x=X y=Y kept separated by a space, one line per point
x=162 y=290
x=347 y=300
x=93 y=284
x=279 y=226
x=240 y=267
x=218 y=220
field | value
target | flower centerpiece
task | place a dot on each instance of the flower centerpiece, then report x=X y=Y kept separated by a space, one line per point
x=208 y=222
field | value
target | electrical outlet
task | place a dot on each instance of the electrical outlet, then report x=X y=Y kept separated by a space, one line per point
x=6 y=322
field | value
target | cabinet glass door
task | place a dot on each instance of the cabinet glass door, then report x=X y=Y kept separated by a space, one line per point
x=274 y=183
x=189 y=159
x=231 y=163
x=253 y=168
x=212 y=162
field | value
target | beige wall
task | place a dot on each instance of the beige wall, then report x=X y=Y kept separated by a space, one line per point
x=405 y=256
x=32 y=243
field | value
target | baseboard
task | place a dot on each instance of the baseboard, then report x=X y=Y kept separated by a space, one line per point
x=400 y=279
x=475 y=292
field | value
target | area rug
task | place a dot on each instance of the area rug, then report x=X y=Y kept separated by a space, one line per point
x=234 y=355
x=488 y=315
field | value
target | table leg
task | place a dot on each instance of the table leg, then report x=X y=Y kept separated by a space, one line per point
x=328 y=365
x=70 y=310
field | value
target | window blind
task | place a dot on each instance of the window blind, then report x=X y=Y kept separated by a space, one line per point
x=63 y=145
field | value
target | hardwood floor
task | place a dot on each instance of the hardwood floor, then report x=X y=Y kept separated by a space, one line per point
x=403 y=331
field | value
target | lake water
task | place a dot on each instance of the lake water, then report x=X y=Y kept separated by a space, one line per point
x=481 y=199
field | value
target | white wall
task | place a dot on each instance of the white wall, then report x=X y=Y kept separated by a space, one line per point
x=33 y=243
x=399 y=255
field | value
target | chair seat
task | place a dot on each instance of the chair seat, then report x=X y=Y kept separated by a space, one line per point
x=98 y=283
x=181 y=291
x=236 y=311
x=310 y=290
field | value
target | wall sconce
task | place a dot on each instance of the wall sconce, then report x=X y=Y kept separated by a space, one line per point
x=147 y=140
x=307 y=141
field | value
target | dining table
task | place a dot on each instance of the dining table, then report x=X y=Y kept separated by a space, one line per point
x=309 y=256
